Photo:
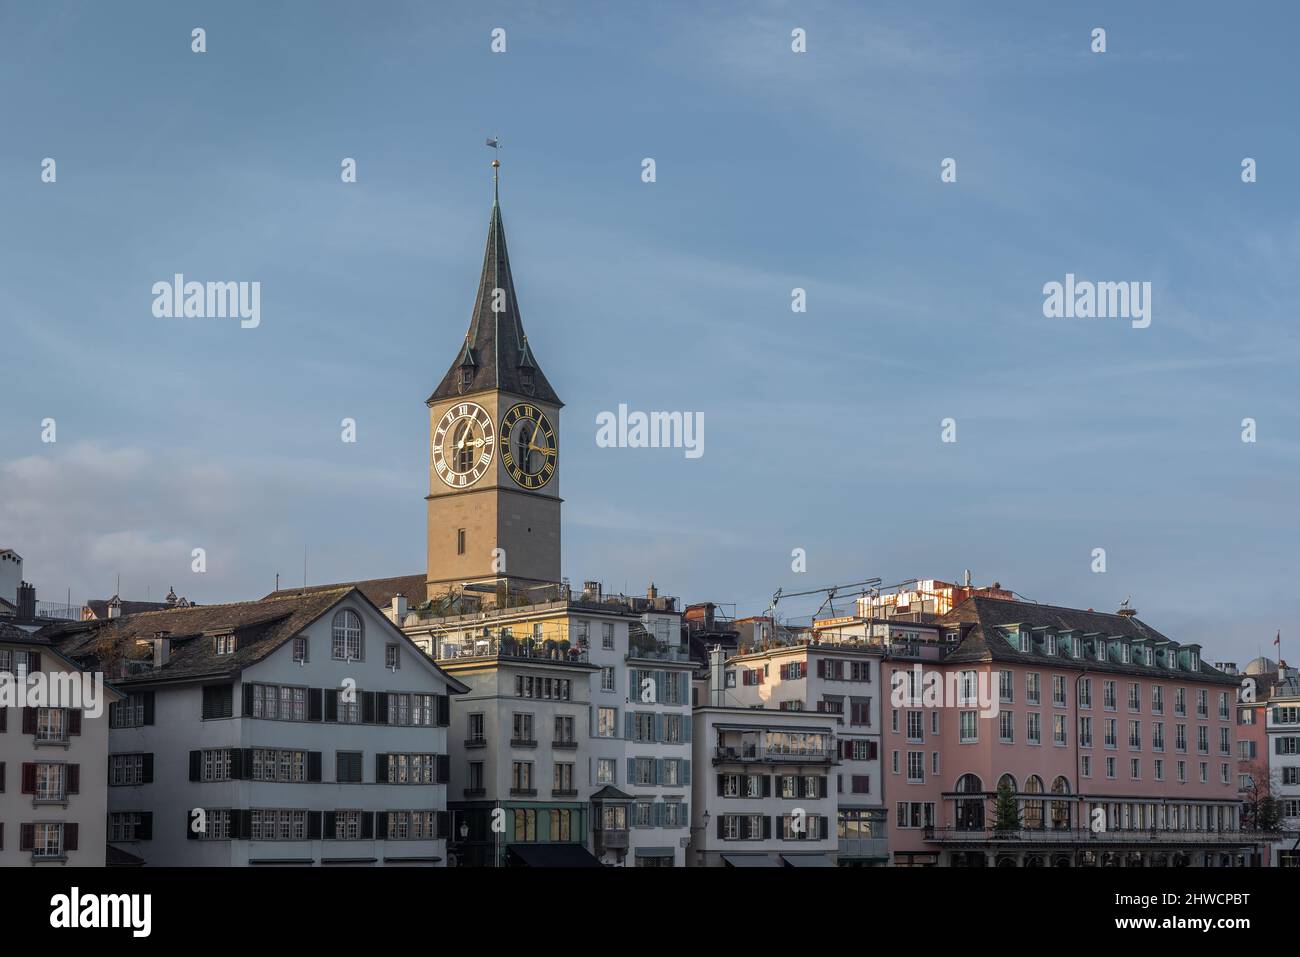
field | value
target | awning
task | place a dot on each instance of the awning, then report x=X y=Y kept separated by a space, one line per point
x=750 y=860
x=806 y=860
x=551 y=855
x=654 y=852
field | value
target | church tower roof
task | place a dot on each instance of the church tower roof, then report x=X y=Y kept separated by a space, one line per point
x=495 y=353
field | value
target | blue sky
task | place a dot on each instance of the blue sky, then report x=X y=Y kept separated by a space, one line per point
x=775 y=170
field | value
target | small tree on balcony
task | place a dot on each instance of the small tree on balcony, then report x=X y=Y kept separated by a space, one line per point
x=1006 y=810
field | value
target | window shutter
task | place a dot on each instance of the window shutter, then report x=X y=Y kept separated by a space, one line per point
x=799 y=789
x=189 y=826
x=29 y=721
x=631 y=770
x=444 y=769
x=368 y=707
x=313 y=825
x=144 y=830
x=74 y=721
x=248 y=700
x=331 y=705
x=686 y=771
x=367 y=825
x=821 y=667
x=146 y=769
x=722 y=784
x=196 y=765
x=657 y=814
x=4 y=720
x=767 y=786
x=148 y=697
x=26 y=837
x=721 y=821
x=381 y=769
x=237 y=764
x=381 y=825
x=381 y=707
x=686 y=727
x=633 y=685
x=444 y=824
x=313 y=766
x=762 y=678
x=29 y=779
x=70 y=837
x=767 y=826
x=846 y=747
x=785 y=669
x=73 y=781
x=823 y=831
x=328 y=826
x=33 y=662
x=2 y=780
x=743 y=830
x=444 y=710
x=659 y=771
x=315 y=704
x=659 y=727
x=629 y=725
x=873 y=750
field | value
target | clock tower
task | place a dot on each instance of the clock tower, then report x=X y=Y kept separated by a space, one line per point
x=494 y=501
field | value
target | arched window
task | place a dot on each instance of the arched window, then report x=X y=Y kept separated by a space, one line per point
x=1061 y=809
x=970 y=811
x=1034 y=807
x=346 y=631
x=1009 y=781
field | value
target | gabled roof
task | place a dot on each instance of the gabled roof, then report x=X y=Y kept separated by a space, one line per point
x=983 y=641
x=260 y=627
x=495 y=348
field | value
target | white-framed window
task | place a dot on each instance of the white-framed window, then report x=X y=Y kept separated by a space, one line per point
x=349 y=707
x=345 y=633
x=51 y=724
x=1034 y=728
x=392 y=656
x=607 y=634
x=125 y=769
x=607 y=678
x=605 y=770
x=127 y=713
x=1033 y=687
x=1006 y=686
x=48 y=840
x=300 y=648
x=969 y=726
x=915 y=766
x=1085 y=765
x=224 y=644
x=915 y=726
x=216 y=764
x=607 y=722
x=51 y=782
x=1058 y=729
x=1108 y=695
x=1085 y=731
x=1006 y=727
x=1085 y=693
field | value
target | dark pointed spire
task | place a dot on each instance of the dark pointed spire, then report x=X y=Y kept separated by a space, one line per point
x=496 y=354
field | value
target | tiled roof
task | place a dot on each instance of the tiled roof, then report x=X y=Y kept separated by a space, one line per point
x=495 y=348
x=259 y=626
x=981 y=617
x=100 y=606
x=380 y=591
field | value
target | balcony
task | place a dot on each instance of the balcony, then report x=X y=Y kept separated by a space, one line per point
x=523 y=742
x=523 y=792
x=864 y=847
x=565 y=745
x=549 y=650
x=564 y=793
x=1086 y=836
x=474 y=793
x=745 y=755
x=652 y=652
x=611 y=840
x=476 y=742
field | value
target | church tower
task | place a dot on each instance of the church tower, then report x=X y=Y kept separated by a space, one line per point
x=494 y=497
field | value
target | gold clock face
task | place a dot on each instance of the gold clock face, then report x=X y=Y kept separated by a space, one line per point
x=463 y=444
x=528 y=449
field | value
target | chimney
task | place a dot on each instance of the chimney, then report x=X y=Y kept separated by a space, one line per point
x=26 y=601
x=591 y=591
x=398 y=612
x=1227 y=667
x=968 y=578
x=162 y=648
x=717 y=676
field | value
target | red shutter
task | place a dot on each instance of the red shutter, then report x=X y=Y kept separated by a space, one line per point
x=785 y=669
x=73 y=781
x=74 y=721
x=70 y=837
x=29 y=720
x=760 y=674
x=29 y=778
x=26 y=837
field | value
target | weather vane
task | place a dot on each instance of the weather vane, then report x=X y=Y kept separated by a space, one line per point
x=495 y=143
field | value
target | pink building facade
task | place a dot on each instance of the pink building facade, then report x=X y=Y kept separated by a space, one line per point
x=1117 y=745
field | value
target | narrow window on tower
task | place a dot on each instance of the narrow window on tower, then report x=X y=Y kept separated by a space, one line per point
x=460 y=541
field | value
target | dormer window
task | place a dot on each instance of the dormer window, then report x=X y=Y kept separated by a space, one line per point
x=1124 y=652
x=1194 y=661
x=224 y=644
x=466 y=376
x=1024 y=641
x=1051 y=644
x=526 y=378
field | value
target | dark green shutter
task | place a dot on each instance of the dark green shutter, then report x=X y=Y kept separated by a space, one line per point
x=381 y=769
x=144 y=830
x=196 y=765
x=331 y=705
x=313 y=766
